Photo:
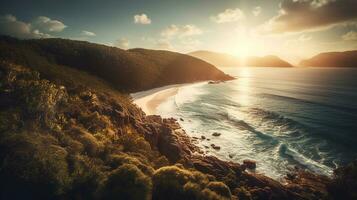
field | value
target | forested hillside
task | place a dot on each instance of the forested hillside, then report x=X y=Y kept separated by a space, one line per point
x=131 y=70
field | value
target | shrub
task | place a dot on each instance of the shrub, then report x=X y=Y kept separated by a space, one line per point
x=173 y=183
x=220 y=188
x=87 y=174
x=243 y=193
x=133 y=142
x=120 y=159
x=33 y=167
x=127 y=182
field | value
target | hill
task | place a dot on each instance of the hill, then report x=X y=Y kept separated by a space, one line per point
x=68 y=140
x=132 y=70
x=68 y=134
x=332 y=59
x=226 y=60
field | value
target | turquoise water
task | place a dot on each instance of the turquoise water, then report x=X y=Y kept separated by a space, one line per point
x=281 y=118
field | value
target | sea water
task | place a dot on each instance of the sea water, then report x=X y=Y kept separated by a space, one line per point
x=279 y=117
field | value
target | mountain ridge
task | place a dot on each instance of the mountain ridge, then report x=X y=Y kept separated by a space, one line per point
x=227 y=60
x=129 y=70
x=332 y=59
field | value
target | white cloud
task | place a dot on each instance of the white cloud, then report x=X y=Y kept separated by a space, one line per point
x=229 y=15
x=350 y=36
x=10 y=25
x=189 y=30
x=170 y=31
x=142 y=19
x=181 y=31
x=256 y=11
x=122 y=43
x=87 y=33
x=46 y=24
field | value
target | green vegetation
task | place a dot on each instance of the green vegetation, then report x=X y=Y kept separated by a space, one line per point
x=73 y=142
x=132 y=70
x=67 y=134
x=173 y=183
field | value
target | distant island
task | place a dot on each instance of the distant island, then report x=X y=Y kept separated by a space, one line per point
x=332 y=59
x=227 y=60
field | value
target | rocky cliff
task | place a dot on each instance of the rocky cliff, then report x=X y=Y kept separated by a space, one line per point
x=66 y=140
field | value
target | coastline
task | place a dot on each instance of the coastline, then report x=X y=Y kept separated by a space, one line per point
x=149 y=100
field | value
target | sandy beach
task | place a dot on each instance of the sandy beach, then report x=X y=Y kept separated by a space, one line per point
x=149 y=100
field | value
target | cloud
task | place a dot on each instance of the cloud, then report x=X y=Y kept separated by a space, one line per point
x=163 y=44
x=304 y=38
x=46 y=24
x=229 y=15
x=142 y=19
x=350 y=36
x=301 y=15
x=170 y=31
x=181 y=31
x=88 y=33
x=256 y=11
x=190 y=43
x=122 y=43
x=10 y=25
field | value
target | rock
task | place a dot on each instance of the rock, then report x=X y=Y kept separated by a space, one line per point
x=216 y=134
x=215 y=166
x=181 y=119
x=250 y=164
x=231 y=155
x=214 y=82
x=215 y=147
x=203 y=137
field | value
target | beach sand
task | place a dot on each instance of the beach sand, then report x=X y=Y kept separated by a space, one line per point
x=149 y=100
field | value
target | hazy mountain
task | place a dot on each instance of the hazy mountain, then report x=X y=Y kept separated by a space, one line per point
x=226 y=60
x=332 y=59
x=128 y=70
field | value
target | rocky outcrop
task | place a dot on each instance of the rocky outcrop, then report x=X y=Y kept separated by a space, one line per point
x=177 y=146
x=86 y=135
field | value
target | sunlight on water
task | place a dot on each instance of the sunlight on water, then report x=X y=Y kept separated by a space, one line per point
x=243 y=86
x=280 y=118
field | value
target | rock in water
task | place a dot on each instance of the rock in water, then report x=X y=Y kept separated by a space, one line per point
x=216 y=134
x=215 y=147
x=250 y=164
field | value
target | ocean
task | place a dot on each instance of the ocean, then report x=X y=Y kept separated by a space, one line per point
x=279 y=117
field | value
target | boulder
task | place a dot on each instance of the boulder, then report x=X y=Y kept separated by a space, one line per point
x=250 y=164
x=216 y=134
x=215 y=147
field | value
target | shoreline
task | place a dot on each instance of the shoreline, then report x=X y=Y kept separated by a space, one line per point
x=149 y=100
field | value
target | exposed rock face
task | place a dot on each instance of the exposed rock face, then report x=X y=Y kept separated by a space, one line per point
x=175 y=144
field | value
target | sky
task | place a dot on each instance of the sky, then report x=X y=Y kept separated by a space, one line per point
x=291 y=29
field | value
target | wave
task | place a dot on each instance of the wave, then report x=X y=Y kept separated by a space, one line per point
x=302 y=161
x=298 y=100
